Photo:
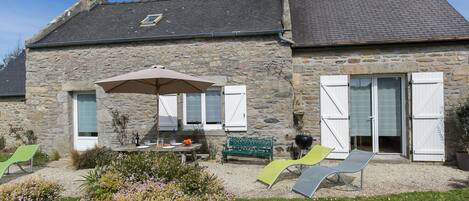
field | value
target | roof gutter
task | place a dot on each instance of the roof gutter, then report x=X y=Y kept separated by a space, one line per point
x=372 y=43
x=166 y=37
x=12 y=95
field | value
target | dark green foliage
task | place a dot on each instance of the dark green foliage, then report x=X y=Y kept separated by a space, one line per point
x=98 y=156
x=462 y=116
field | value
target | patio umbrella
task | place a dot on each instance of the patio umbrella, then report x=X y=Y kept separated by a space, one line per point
x=156 y=80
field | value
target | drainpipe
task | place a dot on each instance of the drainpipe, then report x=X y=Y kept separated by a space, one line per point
x=285 y=40
x=285 y=35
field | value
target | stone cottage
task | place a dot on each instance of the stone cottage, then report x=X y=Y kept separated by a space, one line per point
x=380 y=75
x=231 y=44
x=373 y=75
x=12 y=96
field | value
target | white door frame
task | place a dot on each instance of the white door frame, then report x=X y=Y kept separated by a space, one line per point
x=77 y=139
x=374 y=111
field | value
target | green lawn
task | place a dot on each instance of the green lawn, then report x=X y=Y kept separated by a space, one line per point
x=70 y=199
x=4 y=156
x=453 y=195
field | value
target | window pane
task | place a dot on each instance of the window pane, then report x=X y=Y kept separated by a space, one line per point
x=87 y=115
x=389 y=107
x=360 y=107
x=213 y=107
x=193 y=108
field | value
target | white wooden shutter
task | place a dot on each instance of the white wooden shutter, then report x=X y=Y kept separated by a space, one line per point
x=235 y=108
x=335 y=115
x=168 y=112
x=428 y=117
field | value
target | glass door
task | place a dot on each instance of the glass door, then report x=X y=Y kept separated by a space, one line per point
x=361 y=115
x=376 y=113
x=389 y=112
x=85 y=120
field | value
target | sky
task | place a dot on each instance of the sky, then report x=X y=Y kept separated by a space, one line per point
x=21 y=19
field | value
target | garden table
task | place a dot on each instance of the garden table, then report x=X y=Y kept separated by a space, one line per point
x=180 y=149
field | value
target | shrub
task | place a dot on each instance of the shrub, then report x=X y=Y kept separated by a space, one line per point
x=31 y=189
x=212 y=151
x=462 y=114
x=2 y=143
x=151 y=190
x=22 y=136
x=97 y=156
x=40 y=158
x=55 y=156
x=162 y=176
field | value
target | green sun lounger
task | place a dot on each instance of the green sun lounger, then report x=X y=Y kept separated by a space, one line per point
x=270 y=173
x=24 y=153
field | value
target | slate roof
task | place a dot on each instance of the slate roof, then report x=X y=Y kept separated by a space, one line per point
x=317 y=23
x=13 y=77
x=120 y=22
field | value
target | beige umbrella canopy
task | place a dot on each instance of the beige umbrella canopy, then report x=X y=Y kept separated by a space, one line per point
x=157 y=81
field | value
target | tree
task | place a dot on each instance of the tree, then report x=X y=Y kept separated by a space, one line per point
x=10 y=56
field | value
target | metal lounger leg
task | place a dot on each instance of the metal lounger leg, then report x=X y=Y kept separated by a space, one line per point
x=31 y=164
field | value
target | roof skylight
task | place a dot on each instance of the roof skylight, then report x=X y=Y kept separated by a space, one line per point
x=151 y=20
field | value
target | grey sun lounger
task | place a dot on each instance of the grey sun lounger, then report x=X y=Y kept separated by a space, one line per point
x=310 y=179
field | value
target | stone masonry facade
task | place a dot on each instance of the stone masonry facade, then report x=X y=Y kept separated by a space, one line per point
x=53 y=74
x=309 y=65
x=12 y=112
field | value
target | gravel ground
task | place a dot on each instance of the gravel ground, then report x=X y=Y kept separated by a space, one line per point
x=240 y=179
x=60 y=171
x=379 y=179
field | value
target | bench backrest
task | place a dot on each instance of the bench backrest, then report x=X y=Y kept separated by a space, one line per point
x=249 y=143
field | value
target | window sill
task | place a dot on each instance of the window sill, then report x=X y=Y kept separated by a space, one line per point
x=209 y=127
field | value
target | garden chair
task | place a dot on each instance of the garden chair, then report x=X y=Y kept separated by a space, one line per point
x=310 y=179
x=270 y=173
x=24 y=153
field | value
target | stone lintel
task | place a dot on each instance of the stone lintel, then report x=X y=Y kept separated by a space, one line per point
x=79 y=86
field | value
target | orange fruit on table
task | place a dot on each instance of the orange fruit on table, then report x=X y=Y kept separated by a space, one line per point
x=187 y=142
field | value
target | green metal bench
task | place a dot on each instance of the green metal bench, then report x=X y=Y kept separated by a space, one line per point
x=248 y=146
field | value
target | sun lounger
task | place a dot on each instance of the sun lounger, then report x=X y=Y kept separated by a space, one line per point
x=310 y=179
x=270 y=173
x=24 y=153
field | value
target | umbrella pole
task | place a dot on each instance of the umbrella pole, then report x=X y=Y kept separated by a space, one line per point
x=158 y=117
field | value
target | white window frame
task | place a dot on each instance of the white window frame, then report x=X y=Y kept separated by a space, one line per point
x=76 y=137
x=204 y=124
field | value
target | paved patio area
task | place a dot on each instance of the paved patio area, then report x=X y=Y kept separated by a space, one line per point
x=240 y=178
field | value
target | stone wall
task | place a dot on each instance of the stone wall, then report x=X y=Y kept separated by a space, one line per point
x=309 y=65
x=53 y=74
x=12 y=112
